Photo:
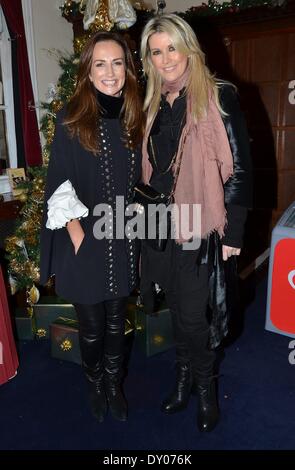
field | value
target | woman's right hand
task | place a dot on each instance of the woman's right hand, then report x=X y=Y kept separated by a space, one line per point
x=76 y=233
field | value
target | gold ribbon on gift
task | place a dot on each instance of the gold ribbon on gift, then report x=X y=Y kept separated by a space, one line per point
x=158 y=339
x=67 y=321
x=41 y=332
x=128 y=327
x=66 y=345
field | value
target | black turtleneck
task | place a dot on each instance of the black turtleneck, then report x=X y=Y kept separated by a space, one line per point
x=112 y=105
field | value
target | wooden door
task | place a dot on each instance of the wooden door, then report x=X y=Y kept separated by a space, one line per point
x=259 y=57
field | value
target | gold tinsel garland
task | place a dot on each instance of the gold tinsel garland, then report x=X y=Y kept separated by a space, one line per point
x=80 y=42
x=50 y=130
x=56 y=105
x=23 y=246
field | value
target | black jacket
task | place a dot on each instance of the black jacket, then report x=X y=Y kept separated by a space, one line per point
x=238 y=190
x=102 y=269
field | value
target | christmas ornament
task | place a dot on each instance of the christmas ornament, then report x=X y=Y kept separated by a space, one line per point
x=103 y=14
x=122 y=13
x=102 y=21
x=89 y=9
x=33 y=295
x=22 y=246
x=23 y=196
x=96 y=15
x=12 y=284
x=51 y=92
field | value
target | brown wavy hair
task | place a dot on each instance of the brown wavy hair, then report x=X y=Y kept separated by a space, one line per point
x=83 y=110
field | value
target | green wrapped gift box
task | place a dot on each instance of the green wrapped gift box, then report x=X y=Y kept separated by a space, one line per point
x=47 y=310
x=65 y=340
x=132 y=307
x=154 y=332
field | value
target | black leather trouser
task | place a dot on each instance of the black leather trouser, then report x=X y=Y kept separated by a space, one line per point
x=187 y=300
x=101 y=336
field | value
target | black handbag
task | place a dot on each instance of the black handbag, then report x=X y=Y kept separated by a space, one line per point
x=144 y=195
x=149 y=199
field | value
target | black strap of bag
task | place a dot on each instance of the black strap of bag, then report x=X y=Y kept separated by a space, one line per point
x=145 y=195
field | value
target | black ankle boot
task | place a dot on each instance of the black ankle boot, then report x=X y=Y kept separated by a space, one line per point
x=179 y=398
x=97 y=399
x=208 y=414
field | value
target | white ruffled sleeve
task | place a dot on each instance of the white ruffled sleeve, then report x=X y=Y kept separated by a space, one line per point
x=64 y=206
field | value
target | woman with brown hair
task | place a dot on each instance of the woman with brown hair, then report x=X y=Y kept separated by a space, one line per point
x=95 y=158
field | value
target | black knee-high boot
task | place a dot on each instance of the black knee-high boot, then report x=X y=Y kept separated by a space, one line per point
x=114 y=356
x=91 y=337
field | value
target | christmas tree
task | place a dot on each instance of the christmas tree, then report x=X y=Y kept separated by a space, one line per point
x=22 y=248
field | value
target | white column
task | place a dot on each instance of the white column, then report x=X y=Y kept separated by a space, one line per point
x=29 y=29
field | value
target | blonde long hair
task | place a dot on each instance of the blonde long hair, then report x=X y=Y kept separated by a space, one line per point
x=201 y=83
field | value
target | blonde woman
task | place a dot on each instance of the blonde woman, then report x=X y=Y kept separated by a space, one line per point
x=196 y=133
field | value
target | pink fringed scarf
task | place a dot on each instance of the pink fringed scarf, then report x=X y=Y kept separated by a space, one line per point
x=206 y=165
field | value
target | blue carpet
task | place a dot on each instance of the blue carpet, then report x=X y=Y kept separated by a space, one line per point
x=45 y=406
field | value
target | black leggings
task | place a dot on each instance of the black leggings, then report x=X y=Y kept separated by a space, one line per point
x=187 y=299
x=101 y=333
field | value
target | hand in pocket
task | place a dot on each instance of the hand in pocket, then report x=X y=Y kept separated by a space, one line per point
x=78 y=243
